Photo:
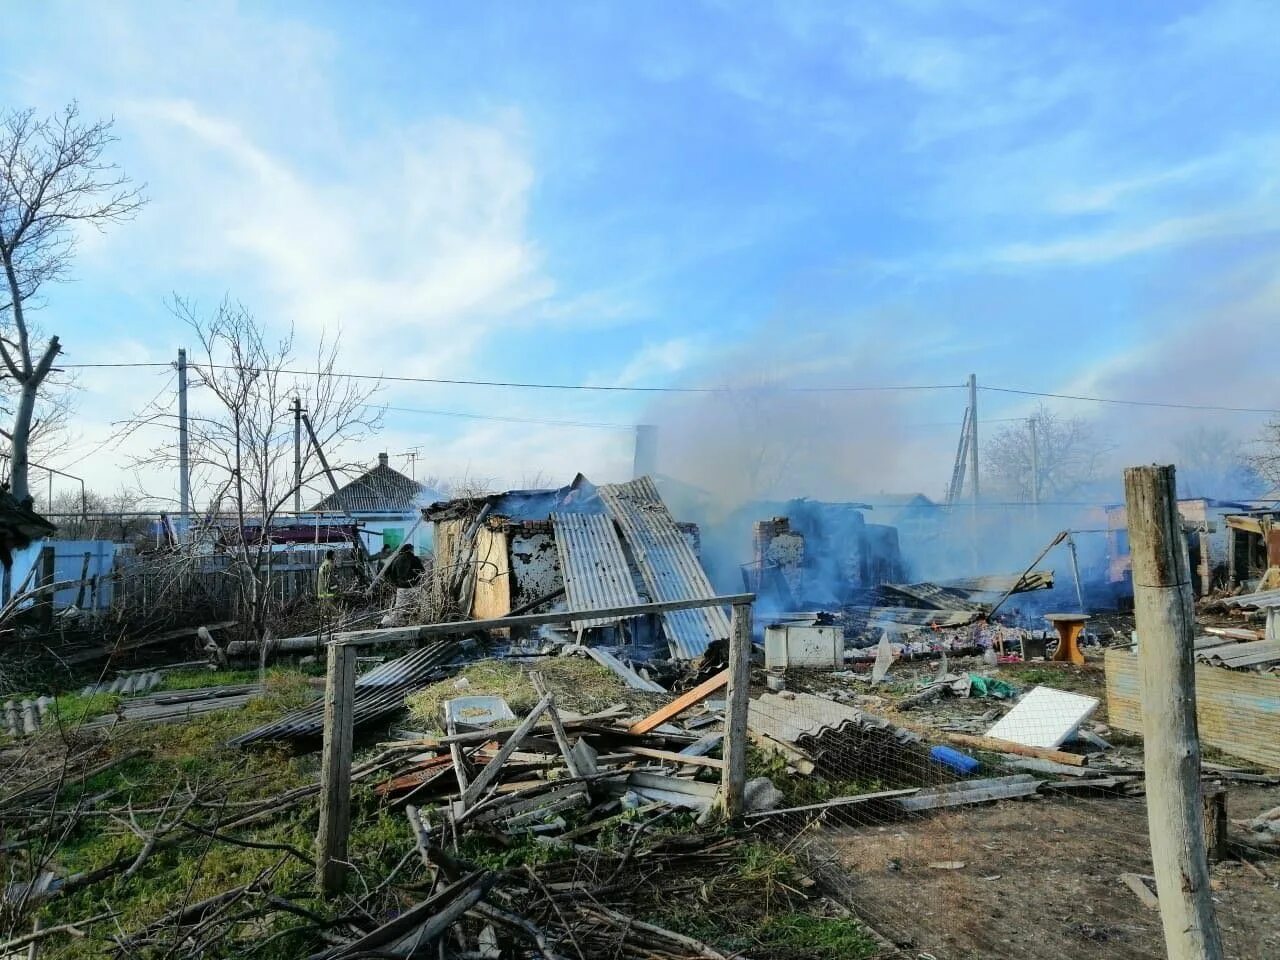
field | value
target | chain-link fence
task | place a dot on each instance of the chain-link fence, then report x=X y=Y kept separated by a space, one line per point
x=968 y=810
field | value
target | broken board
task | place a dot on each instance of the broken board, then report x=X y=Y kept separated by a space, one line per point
x=1044 y=717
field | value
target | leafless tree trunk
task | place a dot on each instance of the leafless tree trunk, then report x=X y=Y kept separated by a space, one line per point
x=53 y=179
x=241 y=430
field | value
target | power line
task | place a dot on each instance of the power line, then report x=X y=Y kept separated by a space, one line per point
x=608 y=388
x=501 y=418
x=522 y=385
x=1134 y=403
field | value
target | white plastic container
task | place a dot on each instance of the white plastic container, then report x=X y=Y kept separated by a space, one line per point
x=802 y=645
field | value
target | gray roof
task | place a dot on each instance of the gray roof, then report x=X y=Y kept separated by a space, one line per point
x=380 y=490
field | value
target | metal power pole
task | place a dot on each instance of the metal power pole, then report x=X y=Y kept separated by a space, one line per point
x=973 y=437
x=184 y=452
x=973 y=463
x=297 y=456
x=646 y=451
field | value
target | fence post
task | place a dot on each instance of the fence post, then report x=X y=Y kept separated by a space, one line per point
x=1163 y=609
x=733 y=778
x=335 y=768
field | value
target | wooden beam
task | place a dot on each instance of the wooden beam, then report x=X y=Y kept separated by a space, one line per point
x=335 y=769
x=431 y=630
x=671 y=757
x=1163 y=608
x=733 y=781
x=480 y=785
x=680 y=703
x=1021 y=749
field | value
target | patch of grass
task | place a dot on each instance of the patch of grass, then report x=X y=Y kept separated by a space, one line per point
x=196 y=679
x=491 y=854
x=1065 y=676
x=579 y=684
x=834 y=937
x=798 y=791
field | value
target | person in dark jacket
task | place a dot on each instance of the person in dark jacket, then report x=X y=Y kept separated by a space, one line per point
x=406 y=568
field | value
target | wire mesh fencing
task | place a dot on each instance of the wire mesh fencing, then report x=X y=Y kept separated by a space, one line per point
x=1000 y=815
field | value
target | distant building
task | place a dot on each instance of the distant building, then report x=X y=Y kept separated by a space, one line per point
x=1204 y=522
x=386 y=504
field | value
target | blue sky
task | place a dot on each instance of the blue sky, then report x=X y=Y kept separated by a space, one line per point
x=1075 y=197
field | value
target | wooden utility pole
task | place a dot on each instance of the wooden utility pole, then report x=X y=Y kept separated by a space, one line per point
x=1163 y=609
x=297 y=456
x=734 y=776
x=335 y=768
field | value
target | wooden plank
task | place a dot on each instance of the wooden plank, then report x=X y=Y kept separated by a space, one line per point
x=671 y=757
x=557 y=728
x=681 y=703
x=1238 y=713
x=1140 y=890
x=431 y=630
x=335 y=769
x=1022 y=750
x=489 y=774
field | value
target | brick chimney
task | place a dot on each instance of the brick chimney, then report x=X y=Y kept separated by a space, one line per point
x=382 y=459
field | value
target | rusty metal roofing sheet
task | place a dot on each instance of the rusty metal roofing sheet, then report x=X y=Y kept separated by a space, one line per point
x=596 y=574
x=669 y=567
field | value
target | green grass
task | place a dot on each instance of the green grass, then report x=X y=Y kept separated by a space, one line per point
x=798 y=791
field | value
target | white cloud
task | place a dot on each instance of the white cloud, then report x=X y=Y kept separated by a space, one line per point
x=419 y=235
x=1113 y=244
x=655 y=362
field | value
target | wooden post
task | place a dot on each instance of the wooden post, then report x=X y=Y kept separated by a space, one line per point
x=46 y=561
x=1163 y=609
x=335 y=768
x=734 y=778
x=1215 y=822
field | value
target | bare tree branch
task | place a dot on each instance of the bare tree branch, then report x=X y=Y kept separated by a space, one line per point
x=54 y=181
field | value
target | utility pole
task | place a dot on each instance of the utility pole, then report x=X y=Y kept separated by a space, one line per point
x=184 y=452
x=297 y=456
x=1163 y=606
x=973 y=462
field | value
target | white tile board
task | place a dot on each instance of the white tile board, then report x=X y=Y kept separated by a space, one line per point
x=1044 y=717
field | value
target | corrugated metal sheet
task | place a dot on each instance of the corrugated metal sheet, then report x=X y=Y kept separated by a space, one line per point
x=667 y=563
x=1255 y=601
x=379 y=692
x=596 y=574
x=1256 y=654
x=934 y=596
x=911 y=616
x=839 y=739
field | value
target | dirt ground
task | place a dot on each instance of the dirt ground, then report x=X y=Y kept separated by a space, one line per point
x=1039 y=879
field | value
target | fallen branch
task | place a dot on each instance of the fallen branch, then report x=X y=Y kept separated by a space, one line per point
x=73 y=928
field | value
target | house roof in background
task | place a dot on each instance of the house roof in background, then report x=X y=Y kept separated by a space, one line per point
x=380 y=490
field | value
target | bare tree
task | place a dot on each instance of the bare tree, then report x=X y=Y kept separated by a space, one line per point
x=241 y=430
x=1265 y=460
x=1068 y=457
x=54 y=181
x=1212 y=463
